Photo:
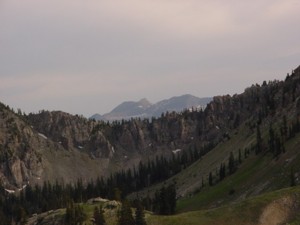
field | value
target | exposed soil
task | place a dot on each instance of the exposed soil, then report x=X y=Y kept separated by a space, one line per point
x=279 y=211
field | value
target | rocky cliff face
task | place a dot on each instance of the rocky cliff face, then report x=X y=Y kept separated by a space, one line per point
x=68 y=130
x=19 y=150
x=57 y=145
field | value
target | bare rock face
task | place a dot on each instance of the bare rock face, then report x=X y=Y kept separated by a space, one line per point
x=100 y=147
x=19 y=146
x=71 y=131
x=18 y=173
x=15 y=169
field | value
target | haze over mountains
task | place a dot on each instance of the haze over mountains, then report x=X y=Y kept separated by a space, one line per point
x=144 y=109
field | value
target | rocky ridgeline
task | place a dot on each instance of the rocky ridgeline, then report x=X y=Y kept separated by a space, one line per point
x=23 y=138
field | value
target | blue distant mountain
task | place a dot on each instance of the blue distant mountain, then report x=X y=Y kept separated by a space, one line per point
x=145 y=109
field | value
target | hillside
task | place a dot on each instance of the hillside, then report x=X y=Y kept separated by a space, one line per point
x=279 y=207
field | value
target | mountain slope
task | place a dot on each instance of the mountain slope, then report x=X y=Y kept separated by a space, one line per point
x=178 y=104
x=256 y=172
x=279 y=207
x=126 y=110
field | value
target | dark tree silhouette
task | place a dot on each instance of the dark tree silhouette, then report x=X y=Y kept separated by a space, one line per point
x=125 y=214
x=139 y=215
x=258 y=140
x=231 y=163
x=98 y=216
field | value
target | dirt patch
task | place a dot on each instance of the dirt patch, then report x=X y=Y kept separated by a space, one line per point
x=279 y=211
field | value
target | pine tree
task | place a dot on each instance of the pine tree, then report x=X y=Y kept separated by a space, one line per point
x=98 y=216
x=74 y=215
x=245 y=153
x=117 y=194
x=284 y=128
x=258 y=140
x=231 y=164
x=271 y=139
x=222 y=172
x=278 y=146
x=20 y=214
x=171 y=198
x=139 y=215
x=240 y=156
x=163 y=201
x=125 y=214
x=293 y=181
x=210 y=179
x=69 y=216
x=80 y=216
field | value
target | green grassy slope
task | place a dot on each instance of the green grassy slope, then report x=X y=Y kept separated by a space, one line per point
x=275 y=207
x=257 y=174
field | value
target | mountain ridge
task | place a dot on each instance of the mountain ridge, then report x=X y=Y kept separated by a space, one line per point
x=144 y=109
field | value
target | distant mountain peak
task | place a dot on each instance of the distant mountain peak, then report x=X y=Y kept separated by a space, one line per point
x=144 y=109
x=144 y=103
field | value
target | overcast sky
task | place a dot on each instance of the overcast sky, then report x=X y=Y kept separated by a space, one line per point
x=87 y=56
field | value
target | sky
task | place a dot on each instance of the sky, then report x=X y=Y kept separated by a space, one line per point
x=88 y=56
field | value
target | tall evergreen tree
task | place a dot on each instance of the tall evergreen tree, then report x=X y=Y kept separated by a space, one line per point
x=98 y=216
x=74 y=215
x=163 y=201
x=139 y=215
x=271 y=139
x=171 y=198
x=284 y=128
x=293 y=180
x=125 y=214
x=222 y=171
x=210 y=179
x=240 y=156
x=258 y=140
x=231 y=163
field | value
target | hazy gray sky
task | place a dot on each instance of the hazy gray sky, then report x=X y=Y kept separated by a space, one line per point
x=87 y=56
